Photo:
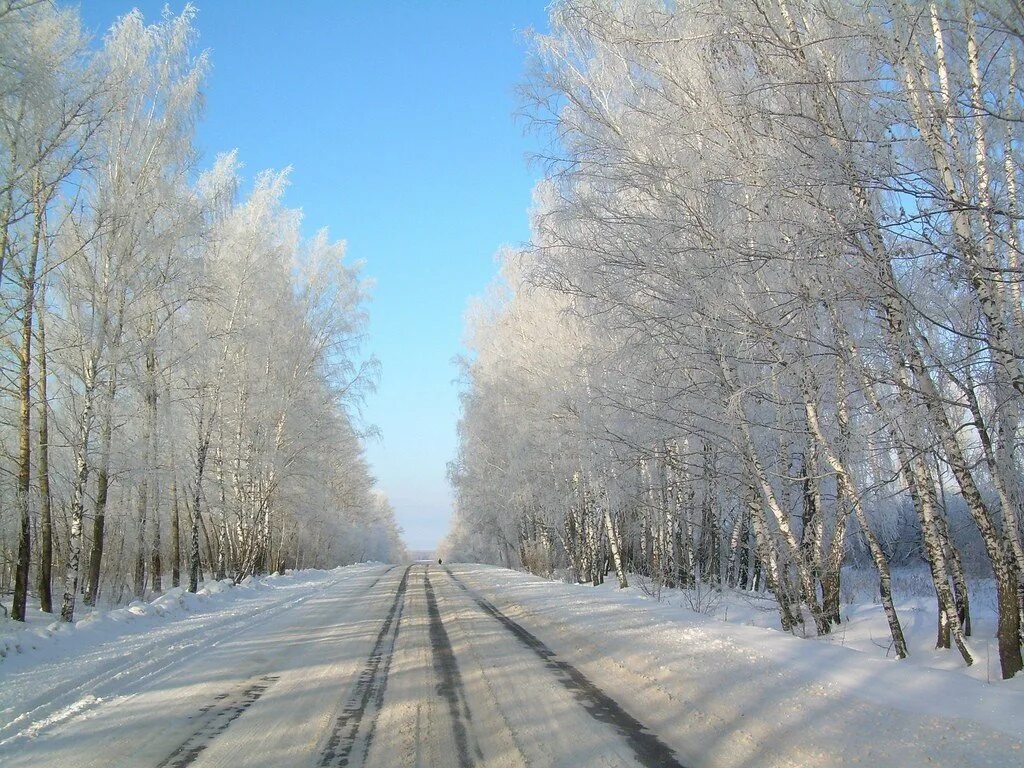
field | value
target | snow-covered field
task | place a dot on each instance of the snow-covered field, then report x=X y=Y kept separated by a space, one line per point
x=395 y=666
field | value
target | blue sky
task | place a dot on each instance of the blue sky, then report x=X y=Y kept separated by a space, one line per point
x=397 y=119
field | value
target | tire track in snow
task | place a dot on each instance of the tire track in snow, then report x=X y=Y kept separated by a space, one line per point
x=224 y=714
x=374 y=582
x=38 y=713
x=450 y=687
x=369 y=687
x=648 y=749
x=215 y=720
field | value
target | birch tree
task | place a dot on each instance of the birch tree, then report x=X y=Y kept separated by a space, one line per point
x=785 y=236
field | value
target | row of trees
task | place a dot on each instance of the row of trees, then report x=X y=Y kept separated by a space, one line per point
x=179 y=363
x=772 y=304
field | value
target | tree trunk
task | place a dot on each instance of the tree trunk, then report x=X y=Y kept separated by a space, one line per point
x=915 y=474
x=175 y=534
x=197 y=493
x=139 y=575
x=24 y=477
x=813 y=519
x=613 y=545
x=43 y=461
x=757 y=471
x=155 y=561
x=849 y=491
x=67 y=610
x=767 y=559
x=92 y=588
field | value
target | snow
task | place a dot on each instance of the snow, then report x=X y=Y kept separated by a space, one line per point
x=53 y=672
x=758 y=696
x=415 y=666
x=42 y=634
x=864 y=626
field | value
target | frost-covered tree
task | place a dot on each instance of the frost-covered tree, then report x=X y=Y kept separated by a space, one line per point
x=783 y=238
x=46 y=114
x=183 y=367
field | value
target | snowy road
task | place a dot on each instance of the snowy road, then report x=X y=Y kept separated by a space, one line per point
x=419 y=666
x=397 y=666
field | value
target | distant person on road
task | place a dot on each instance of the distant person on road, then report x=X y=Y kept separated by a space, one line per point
x=439 y=561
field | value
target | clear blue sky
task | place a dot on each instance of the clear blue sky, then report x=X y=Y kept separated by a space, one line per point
x=397 y=118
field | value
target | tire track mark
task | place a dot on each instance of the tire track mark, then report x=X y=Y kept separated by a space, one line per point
x=374 y=582
x=33 y=718
x=648 y=749
x=450 y=687
x=223 y=715
x=369 y=687
x=216 y=719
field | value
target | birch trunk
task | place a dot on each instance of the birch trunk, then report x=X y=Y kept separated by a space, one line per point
x=757 y=471
x=613 y=545
x=81 y=477
x=848 y=490
x=102 y=494
x=175 y=533
x=43 y=462
x=24 y=475
x=921 y=490
x=202 y=447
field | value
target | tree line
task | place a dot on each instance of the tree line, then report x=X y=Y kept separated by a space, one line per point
x=771 y=304
x=181 y=365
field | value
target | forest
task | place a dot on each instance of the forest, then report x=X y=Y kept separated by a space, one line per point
x=183 y=365
x=769 y=322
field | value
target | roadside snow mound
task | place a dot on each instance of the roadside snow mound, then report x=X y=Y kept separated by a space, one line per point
x=137 y=616
x=781 y=691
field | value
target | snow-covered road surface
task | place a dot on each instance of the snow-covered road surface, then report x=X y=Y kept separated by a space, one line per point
x=425 y=666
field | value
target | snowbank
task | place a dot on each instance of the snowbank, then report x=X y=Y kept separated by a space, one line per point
x=864 y=626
